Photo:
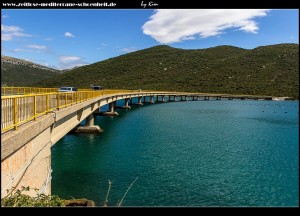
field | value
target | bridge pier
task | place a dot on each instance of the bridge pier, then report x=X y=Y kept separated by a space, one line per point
x=174 y=98
x=151 y=100
x=185 y=98
x=111 y=111
x=140 y=101
x=89 y=127
x=90 y=120
x=162 y=99
x=126 y=104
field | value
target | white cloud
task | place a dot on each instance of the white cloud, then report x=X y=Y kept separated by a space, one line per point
x=9 y=32
x=69 y=34
x=5 y=16
x=69 y=58
x=22 y=50
x=169 y=26
x=128 y=49
x=67 y=62
x=38 y=47
x=6 y=37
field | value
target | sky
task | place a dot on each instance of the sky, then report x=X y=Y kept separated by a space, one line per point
x=63 y=39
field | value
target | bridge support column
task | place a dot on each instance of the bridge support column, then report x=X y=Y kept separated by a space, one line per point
x=111 y=107
x=126 y=104
x=140 y=101
x=151 y=100
x=174 y=98
x=111 y=111
x=90 y=120
x=89 y=126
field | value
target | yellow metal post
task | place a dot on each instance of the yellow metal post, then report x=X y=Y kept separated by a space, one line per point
x=34 y=111
x=47 y=103
x=66 y=99
x=58 y=96
x=15 y=113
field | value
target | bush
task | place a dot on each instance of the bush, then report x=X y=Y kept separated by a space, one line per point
x=19 y=199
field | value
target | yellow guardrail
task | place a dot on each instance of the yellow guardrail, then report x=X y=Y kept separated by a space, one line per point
x=18 y=109
x=25 y=90
x=29 y=90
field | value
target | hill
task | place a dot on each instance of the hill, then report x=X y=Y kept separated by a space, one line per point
x=267 y=70
x=18 y=72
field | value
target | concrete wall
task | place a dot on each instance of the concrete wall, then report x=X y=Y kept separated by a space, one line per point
x=30 y=165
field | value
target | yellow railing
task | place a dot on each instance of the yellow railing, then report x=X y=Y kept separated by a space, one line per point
x=18 y=109
x=25 y=90
x=5 y=91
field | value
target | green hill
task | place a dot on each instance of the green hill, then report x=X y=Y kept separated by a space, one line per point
x=267 y=70
x=17 y=72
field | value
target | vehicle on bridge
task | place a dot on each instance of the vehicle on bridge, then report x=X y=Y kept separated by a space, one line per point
x=97 y=88
x=67 y=89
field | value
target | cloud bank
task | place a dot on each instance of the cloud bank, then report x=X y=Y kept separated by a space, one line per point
x=36 y=46
x=9 y=32
x=67 y=62
x=170 y=26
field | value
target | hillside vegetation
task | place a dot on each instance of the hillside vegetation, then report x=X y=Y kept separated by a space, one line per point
x=17 y=72
x=267 y=70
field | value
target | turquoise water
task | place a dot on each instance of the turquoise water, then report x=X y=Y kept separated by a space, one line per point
x=196 y=153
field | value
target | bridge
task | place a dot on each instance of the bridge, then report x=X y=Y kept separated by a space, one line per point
x=34 y=119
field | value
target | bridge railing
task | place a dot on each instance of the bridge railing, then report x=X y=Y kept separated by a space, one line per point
x=5 y=91
x=18 y=109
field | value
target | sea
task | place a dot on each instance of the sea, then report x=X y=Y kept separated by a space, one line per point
x=214 y=153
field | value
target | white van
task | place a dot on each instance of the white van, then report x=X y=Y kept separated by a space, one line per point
x=67 y=89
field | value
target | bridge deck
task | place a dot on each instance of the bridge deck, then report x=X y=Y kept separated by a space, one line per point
x=22 y=104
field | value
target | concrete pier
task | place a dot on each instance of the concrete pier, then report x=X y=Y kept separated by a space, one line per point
x=172 y=100
x=89 y=126
x=140 y=101
x=111 y=111
x=183 y=98
x=126 y=104
x=162 y=99
x=151 y=100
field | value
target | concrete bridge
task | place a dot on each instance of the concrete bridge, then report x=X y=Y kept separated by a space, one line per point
x=32 y=122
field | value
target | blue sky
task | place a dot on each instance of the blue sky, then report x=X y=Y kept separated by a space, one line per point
x=66 y=38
